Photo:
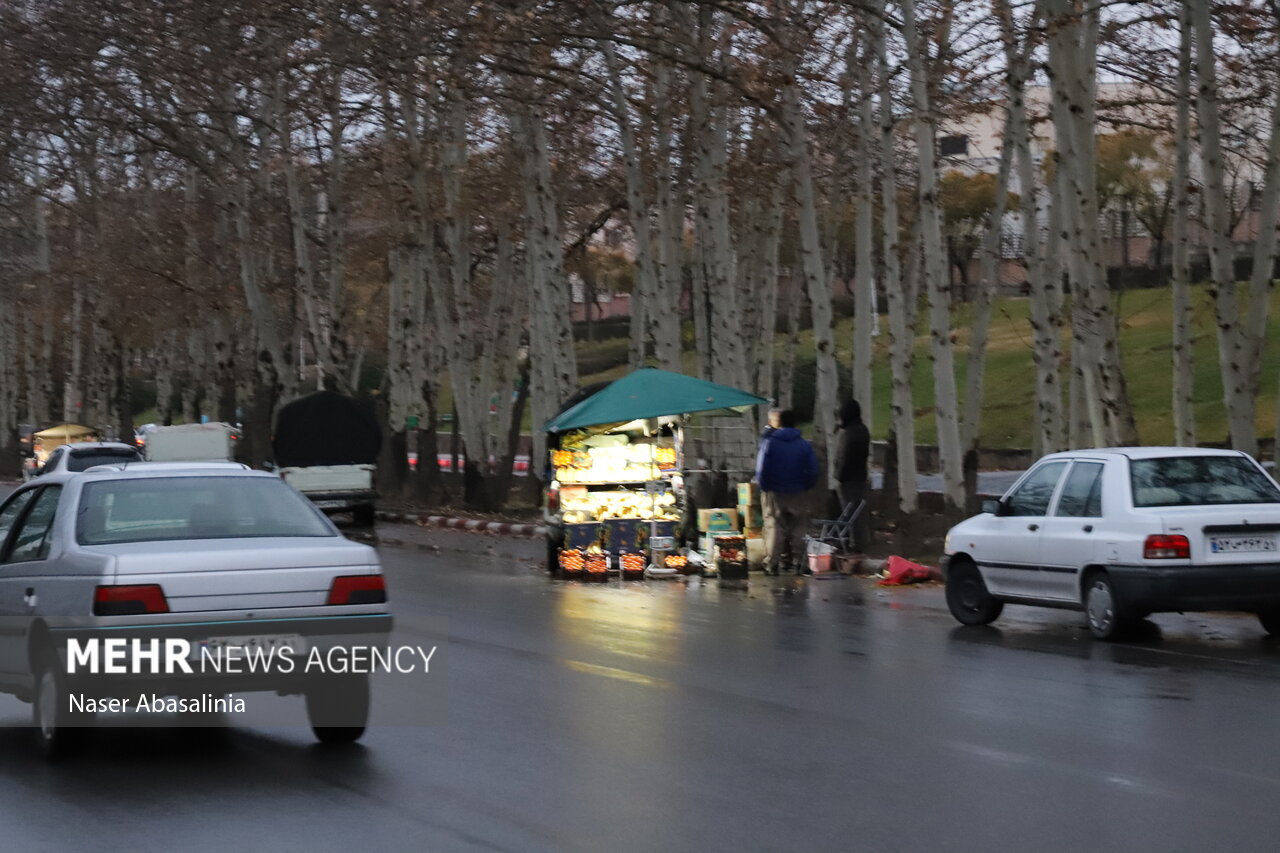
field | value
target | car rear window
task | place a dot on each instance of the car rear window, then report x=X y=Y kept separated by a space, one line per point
x=167 y=508
x=86 y=459
x=1199 y=481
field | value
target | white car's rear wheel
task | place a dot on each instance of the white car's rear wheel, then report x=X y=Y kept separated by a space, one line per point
x=59 y=732
x=1270 y=620
x=1108 y=617
x=338 y=708
x=967 y=596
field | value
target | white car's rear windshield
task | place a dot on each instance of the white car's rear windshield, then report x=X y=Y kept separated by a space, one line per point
x=83 y=460
x=1199 y=481
x=166 y=508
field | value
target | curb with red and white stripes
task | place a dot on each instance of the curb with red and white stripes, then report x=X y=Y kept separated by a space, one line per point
x=471 y=525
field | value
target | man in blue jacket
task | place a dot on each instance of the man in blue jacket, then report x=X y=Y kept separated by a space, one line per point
x=786 y=469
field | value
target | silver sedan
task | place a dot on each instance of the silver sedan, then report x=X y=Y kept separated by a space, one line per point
x=178 y=563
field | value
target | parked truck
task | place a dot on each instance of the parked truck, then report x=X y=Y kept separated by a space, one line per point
x=326 y=446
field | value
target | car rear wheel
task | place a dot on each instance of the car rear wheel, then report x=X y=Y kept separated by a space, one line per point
x=364 y=515
x=1108 y=617
x=338 y=708
x=1270 y=620
x=968 y=598
x=60 y=733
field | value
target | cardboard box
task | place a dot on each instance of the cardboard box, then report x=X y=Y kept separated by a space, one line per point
x=581 y=536
x=713 y=520
x=624 y=534
x=748 y=494
x=751 y=516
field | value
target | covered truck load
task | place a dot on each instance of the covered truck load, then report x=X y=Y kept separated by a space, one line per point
x=326 y=446
x=213 y=442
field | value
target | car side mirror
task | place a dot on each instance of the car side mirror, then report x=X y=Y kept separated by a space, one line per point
x=994 y=507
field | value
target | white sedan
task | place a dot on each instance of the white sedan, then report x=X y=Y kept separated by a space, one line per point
x=1121 y=533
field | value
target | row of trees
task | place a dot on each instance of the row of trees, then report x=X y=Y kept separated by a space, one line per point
x=240 y=198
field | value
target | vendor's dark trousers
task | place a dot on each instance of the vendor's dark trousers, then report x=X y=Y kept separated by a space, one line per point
x=853 y=492
x=790 y=513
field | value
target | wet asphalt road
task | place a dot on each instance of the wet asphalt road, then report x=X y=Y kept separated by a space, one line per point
x=799 y=715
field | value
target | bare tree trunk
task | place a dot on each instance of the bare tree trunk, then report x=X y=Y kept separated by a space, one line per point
x=72 y=387
x=767 y=289
x=9 y=374
x=551 y=342
x=1073 y=63
x=1233 y=345
x=791 y=344
x=335 y=341
x=899 y=295
x=864 y=243
x=975 y=373
x=934 y=267
x=667 y=343
x=722 y=350
x=813 y=269
x=1042 y=272
x=402 y=338
x=272 y=360
x=41 y=269
x=1074 y=187
x=30 y=382
x=1264 y=260
x=646 y=317
x=464 y=325
x=1184 y=415
x=278 y=116
x=503 y=367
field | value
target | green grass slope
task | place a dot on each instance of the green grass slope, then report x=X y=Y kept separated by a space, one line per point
x=1008 y=408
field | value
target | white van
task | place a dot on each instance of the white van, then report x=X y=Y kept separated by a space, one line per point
x=211 y=442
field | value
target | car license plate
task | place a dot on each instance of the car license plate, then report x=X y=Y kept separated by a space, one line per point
x=330 y=504
x=1241 y=544
x=250 y=644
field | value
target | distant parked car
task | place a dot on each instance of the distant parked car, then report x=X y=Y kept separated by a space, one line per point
x=83 y=455
x=141 y=433
x=1122 y=533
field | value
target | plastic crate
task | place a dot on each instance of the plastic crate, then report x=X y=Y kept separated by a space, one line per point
x=572 y=561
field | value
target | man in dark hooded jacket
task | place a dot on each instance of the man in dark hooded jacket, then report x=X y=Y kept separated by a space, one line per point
x=786 y=470
x=852 y=450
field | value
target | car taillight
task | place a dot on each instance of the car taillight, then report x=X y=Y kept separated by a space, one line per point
x=129 y=600
x=553 y=498
x=1161 y=547
x=358 y=589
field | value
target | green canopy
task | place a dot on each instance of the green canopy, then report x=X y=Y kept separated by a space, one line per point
x=650 y=393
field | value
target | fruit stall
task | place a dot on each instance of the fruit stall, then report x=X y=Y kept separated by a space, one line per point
x=614 y=468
